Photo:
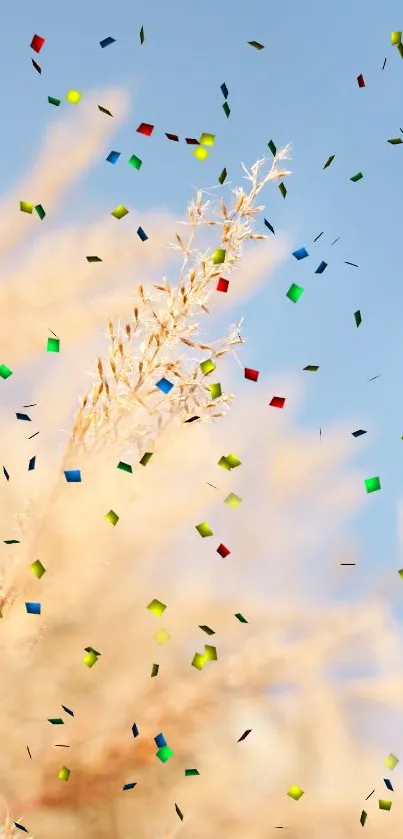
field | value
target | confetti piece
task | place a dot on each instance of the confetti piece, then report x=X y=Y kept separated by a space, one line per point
x=154 y=670
x=145 y=128
x=38 y=569
x=219 y=256
x=224 y=90
x=222 y=177
x=142 y=234
x=164 y=754
x=244 y=735
x=112 y=517
x=36 y=66
x=295 y=792
x=388 y=784
x=358 y=433
x=240 y=617
x=215 y=390
x=233 y=500
x=104 y=111
x=363 y=817
x=29 y=755
x=271 y=228
x=294 y=293
x=107 y=42
x=93 y=259
x=32 y=464
x=321 y=267
x=252 y=375
x=353 y=264
x=146 y=458
x=223 y=551
x=222 y=285
x=272 y=147
x=33 y=608
x=6 y=474
x=277 y=402
x=40 y=211
x=53 y=345
x=73 y=476
x=68 y=711
x=73 y=96
x=53 y=101
x=372 y=485
x=160 y=741
x=207 y=139
x=164 y=385
x=207 y=366
x=179 y=812
x=120 y=212
x=156 y=608
x=233 y=461
x=23 y=417
x=20 y=827
x=360 y=80
x=90 y=659
x=5 y=371
x=201 y=153
x=38 y=42
x=199 y=661
x=395 y=38
x=226 y=108
x=142 y=36
x=189 y=772
x=256 y=45
x=283 y=189
x=135 y=730
x=162 y=636
x=204 y=529
x=173 y=137
x=26 y=207
x=301 y=253
x=384 y=805
x=357 y=318
x=391 y=760
x=357 y=177
x=318 y=237
x=135 y=162
x=11 y=542
x=129 y=786
x=396 y=141
x=56 y=721
x=384 y=64
x=207 y=630
x=312 y=368
x=125 y=467
x=113 y=157
x=329 y=161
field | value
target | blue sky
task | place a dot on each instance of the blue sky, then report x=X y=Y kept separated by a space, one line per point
x=301 y=89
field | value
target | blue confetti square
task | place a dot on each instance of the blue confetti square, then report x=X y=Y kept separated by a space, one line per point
x=224 y=90
x=142 y=235
x=164 y=385
x=320 y=269
x=33 y=608
x=160 y=741
x=107 y=42
x=301 y=253
x=129 y=786
x=388 y=784
x=73 y=476
x=113 y=157
x=135 y=730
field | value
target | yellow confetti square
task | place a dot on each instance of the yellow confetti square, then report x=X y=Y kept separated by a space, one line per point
x=64 y=773
x=26 y=207
x=120 y=212
x=162 y=636
x=391 y=761
x=90 y=659
x=295 y=792
x=201 y=153
x=199 y=661
x=233 y=500
x=156 y=607
x=74 y=97
x=207 y=139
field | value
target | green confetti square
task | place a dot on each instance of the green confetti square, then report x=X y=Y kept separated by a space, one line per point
x=384 y=805
x=112 y=517
x=125 y=467
x=357 y=177
x=294 y=293
x=207 y=366
x=363 y=818
x=215 y=391
x=53 y=101
x=41 y=212
x=135 y=162
x=223 y=176
x=146 y=458
x=282 y=189
x=164 y=754
x=204 y=529
x=357 y=318
x=240 y=618
x=5 y=371
x=226 y=108
x=372 y=484
x=272 y=148
x=207 y=629
x=53 y=345
x=189 y=772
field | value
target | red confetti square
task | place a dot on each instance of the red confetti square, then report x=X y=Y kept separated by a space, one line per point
x=360 y=80
x=191 y=142
x=222 y=284
x=277 y=402
x=145 y=128
x=37 y=67
x=173 y=137
x=253 y=375
x=223 y=551
x=37 y=43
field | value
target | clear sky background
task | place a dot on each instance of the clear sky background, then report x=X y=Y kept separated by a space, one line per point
x=301 y=89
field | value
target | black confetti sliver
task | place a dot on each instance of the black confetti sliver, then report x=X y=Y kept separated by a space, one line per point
x=179 y=812
x=6 y=475
x=244 y=735
x=32 y=464
x=23 y=417
x=68 y=711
